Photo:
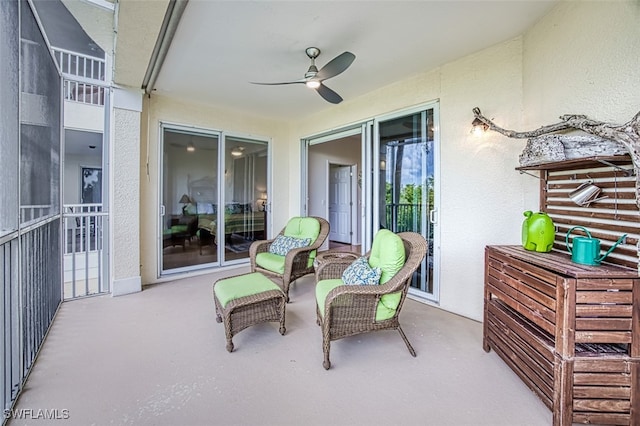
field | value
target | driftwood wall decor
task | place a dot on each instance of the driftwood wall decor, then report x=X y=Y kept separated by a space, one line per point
x=626 y=135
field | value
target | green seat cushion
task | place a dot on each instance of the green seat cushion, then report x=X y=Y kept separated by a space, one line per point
x=271 y=262
x=304 y=227
x=233 y=288
x=324 y=287
x=177 y=229
x=322 y=290
x=387 y=253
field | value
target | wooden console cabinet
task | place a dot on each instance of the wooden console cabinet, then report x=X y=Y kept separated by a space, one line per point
x=571 y=332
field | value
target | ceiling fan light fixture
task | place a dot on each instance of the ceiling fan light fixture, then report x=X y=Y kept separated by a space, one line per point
x=191 y=147
x=314 y=78
x=237 y=151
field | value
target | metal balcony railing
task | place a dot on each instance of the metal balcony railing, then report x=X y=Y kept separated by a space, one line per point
x=84 y=250
x=403 y=217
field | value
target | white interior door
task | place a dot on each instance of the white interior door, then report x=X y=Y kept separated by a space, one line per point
x=340 y=203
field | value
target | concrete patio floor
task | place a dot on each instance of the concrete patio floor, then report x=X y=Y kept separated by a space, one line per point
x=158 y=358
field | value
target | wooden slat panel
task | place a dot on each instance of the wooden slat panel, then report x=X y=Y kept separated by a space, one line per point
x=618 y=297
x=602 y=379
x=626 y=215
x=610 y=185
x=602 y=419
x=589 y=392
x=618 y=324
x=614 y=311
x=601 y=365
x=537 y=313
x=540 y=343
x=527 y=286
x=603 y=337
x=601 y=405
x=558 y=263
x=600 y=216
x=503 y=256
x=605 y=284
x=604 y=204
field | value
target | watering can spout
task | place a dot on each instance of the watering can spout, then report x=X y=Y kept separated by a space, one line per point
x=621 y=240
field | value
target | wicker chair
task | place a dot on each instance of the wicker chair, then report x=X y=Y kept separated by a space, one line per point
x=351 y=309
x=298 y=262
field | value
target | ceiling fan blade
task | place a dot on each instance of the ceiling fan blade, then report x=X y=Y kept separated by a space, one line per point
x=336 y=66
x=328 y=94
x=276 y=84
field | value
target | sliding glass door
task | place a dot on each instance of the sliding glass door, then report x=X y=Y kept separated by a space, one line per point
x=245 y=196
x=213 y=198
x=404 y=184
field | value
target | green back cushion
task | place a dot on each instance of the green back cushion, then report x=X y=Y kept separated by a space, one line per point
x=387 y=253
x=233 y=288
x=304 y=227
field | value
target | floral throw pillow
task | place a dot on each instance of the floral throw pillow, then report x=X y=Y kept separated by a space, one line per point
x=282 y=244
x=360 y=273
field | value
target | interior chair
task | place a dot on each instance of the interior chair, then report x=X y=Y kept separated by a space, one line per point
x=346 y=308
x=291 y=253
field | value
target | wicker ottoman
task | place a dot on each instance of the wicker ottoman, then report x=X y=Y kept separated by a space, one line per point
x=245 y=300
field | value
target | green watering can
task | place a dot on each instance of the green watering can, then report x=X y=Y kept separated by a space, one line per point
x=586 y=249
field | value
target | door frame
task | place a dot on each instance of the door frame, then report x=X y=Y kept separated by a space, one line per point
x=342 y=132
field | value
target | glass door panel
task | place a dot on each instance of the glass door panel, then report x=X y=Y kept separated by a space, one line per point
x=405 y=189
x=189 y=197
x=245 y=196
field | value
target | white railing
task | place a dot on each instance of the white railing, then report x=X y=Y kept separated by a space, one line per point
x=86 y=93
x=84 y=77
x=79 y=65
x=83 y=250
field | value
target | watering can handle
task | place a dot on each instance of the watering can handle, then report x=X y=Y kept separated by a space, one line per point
x=566 y=239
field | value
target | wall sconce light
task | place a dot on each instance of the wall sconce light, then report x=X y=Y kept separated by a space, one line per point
x=383 y=165
x=478 y=127
x=191 y=147
x=237 y=151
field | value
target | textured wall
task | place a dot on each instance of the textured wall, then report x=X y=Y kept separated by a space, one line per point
x=583 y=58
x=126 y=206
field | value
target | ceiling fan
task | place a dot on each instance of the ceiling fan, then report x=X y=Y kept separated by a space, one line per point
x=314 y=79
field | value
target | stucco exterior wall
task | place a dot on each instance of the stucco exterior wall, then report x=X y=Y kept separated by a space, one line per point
x=125 y=195
x=583 y=58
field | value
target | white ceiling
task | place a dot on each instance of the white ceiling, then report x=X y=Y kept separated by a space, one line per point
x=220 y=46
